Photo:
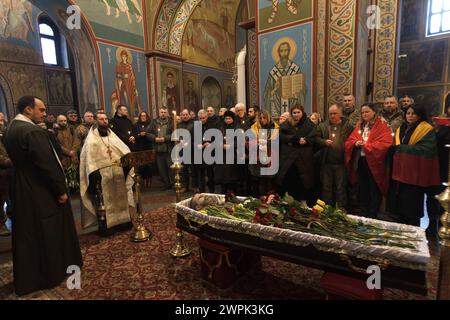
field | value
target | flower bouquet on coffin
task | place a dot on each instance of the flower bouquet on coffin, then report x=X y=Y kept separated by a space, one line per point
x=322 y=219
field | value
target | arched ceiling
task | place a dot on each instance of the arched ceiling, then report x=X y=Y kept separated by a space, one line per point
x=171 y=22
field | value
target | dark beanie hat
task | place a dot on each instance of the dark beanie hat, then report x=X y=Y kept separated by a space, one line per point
x=229 y=114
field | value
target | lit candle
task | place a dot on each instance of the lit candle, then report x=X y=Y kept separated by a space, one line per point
x=333 y=135
x=175 y=123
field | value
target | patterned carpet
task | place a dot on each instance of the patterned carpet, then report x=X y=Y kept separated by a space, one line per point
x=115 y=268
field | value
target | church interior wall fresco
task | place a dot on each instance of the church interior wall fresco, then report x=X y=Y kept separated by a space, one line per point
x=168 y=25
x=221 y=77
x=20 y=47
x=118 y=21
x=275 y=14
x=426 y=82
x=341 y=48
x=169 y=85
x=298 y=41
x=386 y=49
x=209 y=38
x=124 y=75
x=19 y=51
x=321 y=55
x=360 y=83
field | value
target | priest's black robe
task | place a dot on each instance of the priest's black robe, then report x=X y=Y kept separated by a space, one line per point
x=44 y=238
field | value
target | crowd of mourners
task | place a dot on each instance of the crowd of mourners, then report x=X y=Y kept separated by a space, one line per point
x=375 y=158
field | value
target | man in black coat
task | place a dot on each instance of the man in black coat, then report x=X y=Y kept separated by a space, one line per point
x=122 y=126
x=44 y=238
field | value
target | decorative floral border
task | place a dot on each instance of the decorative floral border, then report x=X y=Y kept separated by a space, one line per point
x=341 y=48
x=385 y=44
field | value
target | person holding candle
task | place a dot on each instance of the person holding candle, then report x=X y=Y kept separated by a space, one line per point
x=365 y=155
x=142 y=144
x=122 y=126
x=160 y=132
x=331 y=144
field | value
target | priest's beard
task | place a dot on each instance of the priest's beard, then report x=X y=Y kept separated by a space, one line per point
x=103 y=131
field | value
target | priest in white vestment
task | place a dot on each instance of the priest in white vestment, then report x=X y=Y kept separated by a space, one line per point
x=100 y=166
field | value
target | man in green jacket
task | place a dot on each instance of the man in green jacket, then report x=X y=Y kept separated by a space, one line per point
x=332 y=136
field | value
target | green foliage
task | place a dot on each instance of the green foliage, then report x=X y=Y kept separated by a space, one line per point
x=322 y=220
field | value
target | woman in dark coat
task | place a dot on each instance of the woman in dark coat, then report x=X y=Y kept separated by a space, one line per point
x=227 y=175
x=142 y=144
x=297 y=138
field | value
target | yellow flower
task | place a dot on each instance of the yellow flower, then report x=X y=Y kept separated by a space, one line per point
x=318 y=208
x=321 y=203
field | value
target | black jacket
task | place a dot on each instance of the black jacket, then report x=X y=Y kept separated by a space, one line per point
x=292 y=153
x=123 y=128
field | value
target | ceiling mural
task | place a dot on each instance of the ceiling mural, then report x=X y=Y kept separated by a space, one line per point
x=120 y=21
x=209 y=38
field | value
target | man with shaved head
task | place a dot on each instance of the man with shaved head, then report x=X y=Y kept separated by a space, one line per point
x=68 y=140
x=350 y=112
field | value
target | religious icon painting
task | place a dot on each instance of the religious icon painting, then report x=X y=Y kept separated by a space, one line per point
x=124 y=79
x=285 y=69
x=191 y=91
x=276 y=13
x=59 y=85
x=169 y=86
x=229 y=89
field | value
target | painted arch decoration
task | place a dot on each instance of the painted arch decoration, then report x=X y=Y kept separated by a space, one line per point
x=178 y=25
x=165 y=17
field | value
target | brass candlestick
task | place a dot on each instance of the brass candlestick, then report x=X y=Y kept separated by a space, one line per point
x=140 y=233
x=179 y=249
x=443 y=290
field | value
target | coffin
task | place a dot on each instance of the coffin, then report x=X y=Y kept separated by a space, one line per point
x=401 y=268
